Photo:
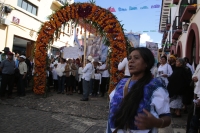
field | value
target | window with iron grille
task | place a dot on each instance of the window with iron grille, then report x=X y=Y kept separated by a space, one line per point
x=29 y=7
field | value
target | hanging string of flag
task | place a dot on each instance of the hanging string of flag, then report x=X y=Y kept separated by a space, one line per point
x=112 y=9
x=131 y=8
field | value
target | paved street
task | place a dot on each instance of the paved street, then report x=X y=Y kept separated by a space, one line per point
x=59 y=113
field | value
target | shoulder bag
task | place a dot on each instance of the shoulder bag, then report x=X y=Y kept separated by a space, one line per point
x=124 y=94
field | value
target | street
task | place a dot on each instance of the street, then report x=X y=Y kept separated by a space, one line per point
x=60 y=113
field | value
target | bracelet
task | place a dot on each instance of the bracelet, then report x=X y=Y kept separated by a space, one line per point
x=162 y=123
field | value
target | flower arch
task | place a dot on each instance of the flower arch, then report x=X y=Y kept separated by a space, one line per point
x=101 y=19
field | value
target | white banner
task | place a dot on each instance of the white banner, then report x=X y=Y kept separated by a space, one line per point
x=71 y=52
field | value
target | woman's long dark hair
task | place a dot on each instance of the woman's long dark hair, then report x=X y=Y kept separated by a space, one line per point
x=129 y=106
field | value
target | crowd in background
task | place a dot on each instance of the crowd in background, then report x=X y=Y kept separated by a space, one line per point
x=70 y=76
x=15 y=72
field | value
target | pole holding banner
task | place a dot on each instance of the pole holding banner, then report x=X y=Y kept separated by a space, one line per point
x=84 y=57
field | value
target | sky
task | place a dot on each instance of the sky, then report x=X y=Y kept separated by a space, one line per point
x=143 y=21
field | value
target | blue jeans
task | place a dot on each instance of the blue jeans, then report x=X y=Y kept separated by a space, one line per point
x=85 y=88
x=61 y=83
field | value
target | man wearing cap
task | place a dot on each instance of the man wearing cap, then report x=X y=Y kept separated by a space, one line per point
x=7 y=68
x=22 y=83
x=87 y=74
x=4 y=55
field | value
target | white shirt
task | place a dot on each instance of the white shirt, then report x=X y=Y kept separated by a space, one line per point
x=47 y=73
x=155 y=72
x=159 y=105
x=97 y=76
x=87 y=71
x=80 y=73
x=165 y=69
x=191 y=68
x=197 y=84
x=60 y=69
x=54 y=73
x=104 y=73
x=52 y=65
x=123 y=64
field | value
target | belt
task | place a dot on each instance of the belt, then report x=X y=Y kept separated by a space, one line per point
x=7 y=74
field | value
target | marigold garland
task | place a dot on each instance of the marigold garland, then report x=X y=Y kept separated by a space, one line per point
x=89 y=12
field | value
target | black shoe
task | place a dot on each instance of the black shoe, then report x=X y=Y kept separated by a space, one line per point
x=10 y=97
x=84 y=99
x=176 y=116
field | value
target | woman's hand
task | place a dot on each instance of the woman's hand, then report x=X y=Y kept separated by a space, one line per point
x=145 y=121
x=195 y=79
x=164 y=75
x=148 y=121
x=198 y=102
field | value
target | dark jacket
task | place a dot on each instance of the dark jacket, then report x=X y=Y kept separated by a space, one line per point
x=178 y=82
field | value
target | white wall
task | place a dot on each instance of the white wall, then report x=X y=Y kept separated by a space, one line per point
x=27 y=23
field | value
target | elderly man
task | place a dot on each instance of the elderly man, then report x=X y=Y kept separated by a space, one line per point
x=4 y=55
x=87 y=74
x=7 y=68
x=22 y=82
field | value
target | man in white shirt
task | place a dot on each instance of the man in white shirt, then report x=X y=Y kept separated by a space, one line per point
x=87 y=74
x=124 y=65
x=22 y=79
x=105 y=78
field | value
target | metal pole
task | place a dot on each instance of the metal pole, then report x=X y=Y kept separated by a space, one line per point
x=84 y=57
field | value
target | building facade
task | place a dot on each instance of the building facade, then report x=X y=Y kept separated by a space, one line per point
x=179 y=23
x=20 y=21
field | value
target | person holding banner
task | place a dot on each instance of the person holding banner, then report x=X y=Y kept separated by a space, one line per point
x=105 y=78
x=87 y=74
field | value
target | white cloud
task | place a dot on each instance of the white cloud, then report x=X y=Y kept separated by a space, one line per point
x=143 y=38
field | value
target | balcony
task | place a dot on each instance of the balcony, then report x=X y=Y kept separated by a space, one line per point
x=59 y=3
x=175 y=2
x=168 y=23
x=176 y=28
x=189 y=11
x=164 y=36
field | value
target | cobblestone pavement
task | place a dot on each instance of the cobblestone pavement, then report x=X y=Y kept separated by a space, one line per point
x=60 y=113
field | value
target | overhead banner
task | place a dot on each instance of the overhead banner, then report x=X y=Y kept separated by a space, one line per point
x=134 y=39
x=154 y=49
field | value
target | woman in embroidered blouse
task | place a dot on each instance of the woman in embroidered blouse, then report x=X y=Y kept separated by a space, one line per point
x=146 y=105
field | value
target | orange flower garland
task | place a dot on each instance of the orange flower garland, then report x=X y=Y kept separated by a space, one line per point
x=90 y=12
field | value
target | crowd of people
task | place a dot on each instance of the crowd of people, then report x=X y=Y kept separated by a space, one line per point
x=70 y=76
x=15 y=72
x=143 y=101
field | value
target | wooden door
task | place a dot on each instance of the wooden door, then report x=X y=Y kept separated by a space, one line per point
x=29 y=49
